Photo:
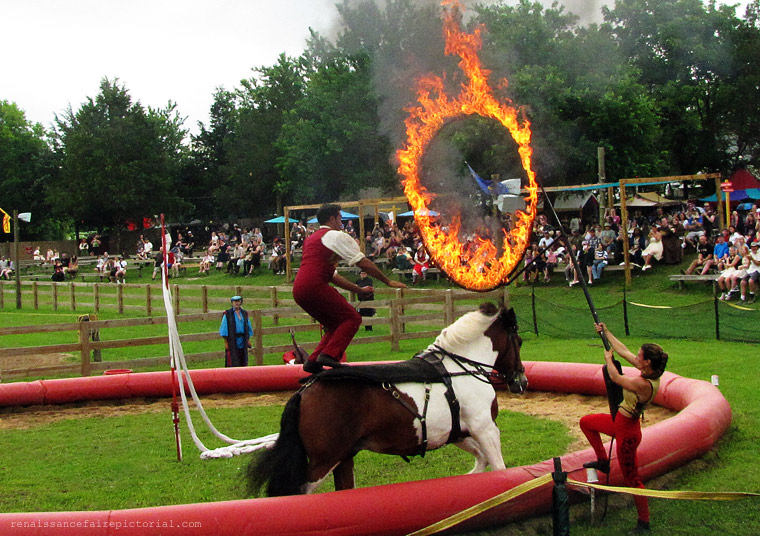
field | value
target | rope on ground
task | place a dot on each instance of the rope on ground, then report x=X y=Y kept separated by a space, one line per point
x=738 y=306
x=178 y=356
x=483 y=506
x=662 y=494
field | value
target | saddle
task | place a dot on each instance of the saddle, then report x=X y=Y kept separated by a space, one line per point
x=425 y=368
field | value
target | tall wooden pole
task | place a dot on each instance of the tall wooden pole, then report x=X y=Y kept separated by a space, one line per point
x=626 y=243
x=16 y=259
x=602 y=179
x=719 y=206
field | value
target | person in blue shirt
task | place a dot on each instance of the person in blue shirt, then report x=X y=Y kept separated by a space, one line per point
x=237 y=340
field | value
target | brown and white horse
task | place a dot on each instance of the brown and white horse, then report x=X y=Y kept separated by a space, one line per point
x=327 y=422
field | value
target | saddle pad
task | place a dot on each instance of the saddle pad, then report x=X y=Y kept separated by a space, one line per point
x=414 y=370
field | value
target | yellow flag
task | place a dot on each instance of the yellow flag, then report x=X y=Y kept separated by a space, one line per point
x=6 y=222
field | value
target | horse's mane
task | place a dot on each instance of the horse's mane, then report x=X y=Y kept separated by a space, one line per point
x=465 y=329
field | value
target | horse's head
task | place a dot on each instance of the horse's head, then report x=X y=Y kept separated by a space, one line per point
x=506 y=343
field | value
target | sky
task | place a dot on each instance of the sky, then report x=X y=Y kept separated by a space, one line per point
x=55 y=52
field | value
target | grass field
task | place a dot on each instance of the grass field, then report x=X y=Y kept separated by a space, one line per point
x=118 y=462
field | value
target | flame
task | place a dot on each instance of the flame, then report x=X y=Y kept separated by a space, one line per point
x=474 y=268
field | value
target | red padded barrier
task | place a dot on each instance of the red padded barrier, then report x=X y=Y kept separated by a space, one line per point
x=382 y=510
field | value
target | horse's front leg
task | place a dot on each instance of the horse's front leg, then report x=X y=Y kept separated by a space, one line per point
x=472 y=446
x=343 y=475
x=489 y=439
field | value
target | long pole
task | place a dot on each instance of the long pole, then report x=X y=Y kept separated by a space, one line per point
x=173 y=361
x=16 y=259
x=576 y=266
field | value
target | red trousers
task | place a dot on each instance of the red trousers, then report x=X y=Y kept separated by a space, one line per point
x=627 y=434
x=341 y=321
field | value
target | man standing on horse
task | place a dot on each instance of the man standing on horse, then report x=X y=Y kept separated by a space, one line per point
x=313 y=293
x=236 y=330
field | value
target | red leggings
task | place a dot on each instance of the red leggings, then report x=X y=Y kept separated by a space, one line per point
x=328 y=307
x=627 y=432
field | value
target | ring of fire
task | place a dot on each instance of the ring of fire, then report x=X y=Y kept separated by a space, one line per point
x=476 y=268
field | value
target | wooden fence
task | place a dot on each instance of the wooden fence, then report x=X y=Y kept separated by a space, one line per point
x=430 y=308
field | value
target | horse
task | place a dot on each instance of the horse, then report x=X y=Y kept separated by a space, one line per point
x=444 y=394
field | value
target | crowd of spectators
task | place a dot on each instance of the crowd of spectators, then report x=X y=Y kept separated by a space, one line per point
x=659 y=236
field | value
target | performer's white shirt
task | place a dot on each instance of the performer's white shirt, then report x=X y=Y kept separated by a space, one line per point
x=343 y=245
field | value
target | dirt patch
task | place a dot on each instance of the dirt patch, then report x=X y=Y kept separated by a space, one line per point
x=31 y=416
x=567 y=409
x=14 y=362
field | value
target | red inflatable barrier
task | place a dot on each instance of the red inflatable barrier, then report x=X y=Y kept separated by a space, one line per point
x=704 y=415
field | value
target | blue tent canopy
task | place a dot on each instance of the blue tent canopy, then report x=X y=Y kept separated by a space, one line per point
x=280 y=219
x=736 y=195
x=419 y=213
x=343 y=215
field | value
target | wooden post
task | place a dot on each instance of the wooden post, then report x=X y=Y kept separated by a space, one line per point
x=96 y=297
x=721 y=218
x=288 y=264
x=361 y=230
x=120 y=298
x=448 y=308
x=505 y=295
x=2 y=294
x=401 y=310
x=16 y=259
x=73 y=297
x=395 y=325
x=274 y=301
x=148 y=301
x=204 y=298
x=55 y=296
x=36 y=295
x=258 y=347
x=176 y=300
x=602 y=179
x=626 y=243
x=84 y=343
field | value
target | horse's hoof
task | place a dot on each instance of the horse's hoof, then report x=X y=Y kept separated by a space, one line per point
x=328 y=361
x=312 y=367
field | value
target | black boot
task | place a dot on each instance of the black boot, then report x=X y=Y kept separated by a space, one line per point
x=602 y=466
x=642 y=527
x=312 y=367
x=328 y=361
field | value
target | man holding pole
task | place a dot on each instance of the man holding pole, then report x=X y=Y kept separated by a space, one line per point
x=314 y=294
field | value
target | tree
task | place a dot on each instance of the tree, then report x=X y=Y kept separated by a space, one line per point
x=697 y=61
x=26 y=165
x=331 y=145
x=118 y=161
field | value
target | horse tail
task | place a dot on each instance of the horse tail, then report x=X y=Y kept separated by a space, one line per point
x=283 y=469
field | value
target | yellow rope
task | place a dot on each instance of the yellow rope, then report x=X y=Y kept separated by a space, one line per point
x=651 y=306
x=661 y=494
x=738 y=306
x=483 y=506
x=540 y=481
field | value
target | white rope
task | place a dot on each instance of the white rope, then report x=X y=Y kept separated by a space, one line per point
x=178 y=358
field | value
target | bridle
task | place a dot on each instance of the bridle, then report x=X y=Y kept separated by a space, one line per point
x=482 y=371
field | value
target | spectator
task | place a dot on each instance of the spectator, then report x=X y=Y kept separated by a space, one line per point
x=58 y=275
x=552 y=260
x=6 y=268
x=600 y=261
x=404 y=259
x=720 y=253
x=704 y=256
x=278 y=263
x=571 y=275
x=753 y=274
x=730 y=268
x=206 y=262
x=421 y=264
x=653 y=249
x=366 y=281
x=118 y=270
x=694 y=229
x=83 y=247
